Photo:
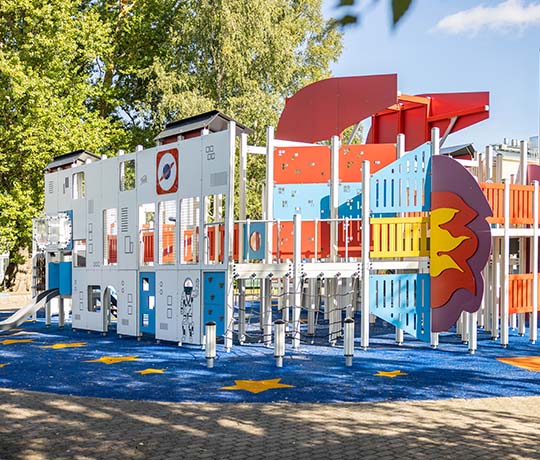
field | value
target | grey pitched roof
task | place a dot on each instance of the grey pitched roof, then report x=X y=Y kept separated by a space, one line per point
x=214 y=121
x=77 y=157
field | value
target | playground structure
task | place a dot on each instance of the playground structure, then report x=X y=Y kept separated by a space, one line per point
x=153 y=232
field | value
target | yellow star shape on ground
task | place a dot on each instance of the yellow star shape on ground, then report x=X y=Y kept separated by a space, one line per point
x=151 y=371
x=113 y=359
x=257 y=386
x=57 y=346
x=3 y=364
x=11 y=341
x=390 y=374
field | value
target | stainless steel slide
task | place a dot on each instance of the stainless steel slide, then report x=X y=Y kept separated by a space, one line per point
x=21 y=314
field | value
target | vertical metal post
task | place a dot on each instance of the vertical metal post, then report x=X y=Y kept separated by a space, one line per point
x=241 y=310
x=472 y=332
x=496 y=287
x=498 y=167
x=435 y=150
x=366 y=239
x=523 y=162
x=269 y=205
x=297 y=279
x=311 y=304
x=287 y=300
x=334 y=197
x=487 y=300
x=505 y=267
x=522 y=242
x=522 y=262
x=242 y=196
x=279 y=341
x=348 y=345
x=489 y=163
x=400 y=152
x=533 y=319
x=210 y=343
x=228 y=250
x=266 y=283
x=267 y=311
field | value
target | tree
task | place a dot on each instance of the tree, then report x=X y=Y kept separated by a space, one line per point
x=108 y=74
x=243 y=58
x=47 y=53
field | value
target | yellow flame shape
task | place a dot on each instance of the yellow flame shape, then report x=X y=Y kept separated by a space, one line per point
x=443 y=242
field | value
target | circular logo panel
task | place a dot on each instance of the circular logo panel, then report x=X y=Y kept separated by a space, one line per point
x=167 y=171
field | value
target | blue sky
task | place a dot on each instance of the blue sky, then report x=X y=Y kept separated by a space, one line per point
x=454 y=46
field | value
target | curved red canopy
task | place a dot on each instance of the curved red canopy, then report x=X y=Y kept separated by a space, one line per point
x=327 y=107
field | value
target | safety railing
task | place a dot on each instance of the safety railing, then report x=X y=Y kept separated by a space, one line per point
x=520 y=293
x=521 y=203
x=399 y=237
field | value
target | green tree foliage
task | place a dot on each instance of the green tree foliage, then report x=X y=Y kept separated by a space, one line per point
x=47 y=53
x=171 y=60
x=108 y=74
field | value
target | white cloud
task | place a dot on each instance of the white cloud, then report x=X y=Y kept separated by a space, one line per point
x=506 y=15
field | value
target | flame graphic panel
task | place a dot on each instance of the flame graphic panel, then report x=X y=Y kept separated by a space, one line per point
x=460 y=242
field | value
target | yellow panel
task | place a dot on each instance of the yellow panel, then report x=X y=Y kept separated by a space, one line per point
x=395 y=237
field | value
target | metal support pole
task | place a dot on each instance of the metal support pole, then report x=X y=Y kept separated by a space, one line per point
x=505 y=305
x=366 y=239
x=496 y=288
x=311 y=305
x=348 y=345
x=285 y=311
x=297 y=279
x=210 y=343
x=533 y=319
x=267 y=311
x=241 y=311
x=472 y=332
x=228 y=250
x=279 y=341
x=435 y=150
x=522 y=269
x=489 y=163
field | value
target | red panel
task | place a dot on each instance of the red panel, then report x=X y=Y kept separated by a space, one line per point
x=415 y=127
x=302 y=165
x=325 y=108
x=384 y=128
x=351 y=157
x=413 y=119
x=113 y=248
x=286 y=239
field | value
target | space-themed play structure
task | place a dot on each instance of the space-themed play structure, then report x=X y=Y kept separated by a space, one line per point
x=426 y=238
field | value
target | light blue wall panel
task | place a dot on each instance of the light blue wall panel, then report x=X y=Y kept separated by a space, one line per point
x=403 y=301
x=303 y=199
x=405 y=185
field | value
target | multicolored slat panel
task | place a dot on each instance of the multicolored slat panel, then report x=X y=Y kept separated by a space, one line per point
x=405 y=185
x=403 y=301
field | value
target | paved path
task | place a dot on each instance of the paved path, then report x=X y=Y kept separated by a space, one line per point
x=36 y=426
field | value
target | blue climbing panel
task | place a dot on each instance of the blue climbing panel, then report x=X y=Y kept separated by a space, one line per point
x=64 y=285
x=214 y=300
x=404 y=185
x=403 y=301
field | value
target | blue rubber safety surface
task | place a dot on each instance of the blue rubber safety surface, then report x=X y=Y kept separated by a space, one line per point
x=317 y=372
